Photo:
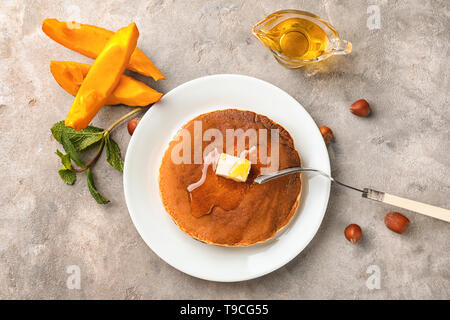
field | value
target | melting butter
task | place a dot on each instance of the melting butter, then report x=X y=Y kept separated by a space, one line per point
x=233 y=168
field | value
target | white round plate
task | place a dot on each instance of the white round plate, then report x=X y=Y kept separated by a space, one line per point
x=146 y=149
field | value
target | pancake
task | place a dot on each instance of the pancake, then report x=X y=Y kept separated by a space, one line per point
x=222 y=211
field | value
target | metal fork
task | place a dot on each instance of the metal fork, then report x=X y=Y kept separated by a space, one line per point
x=425 y=209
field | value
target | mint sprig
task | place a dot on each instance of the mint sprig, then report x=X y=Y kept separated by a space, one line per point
x=74 y=142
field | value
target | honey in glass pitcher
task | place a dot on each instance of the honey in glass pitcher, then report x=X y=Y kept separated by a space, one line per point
x=297 y=38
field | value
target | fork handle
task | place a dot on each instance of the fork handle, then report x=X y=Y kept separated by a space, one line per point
x=423 y=208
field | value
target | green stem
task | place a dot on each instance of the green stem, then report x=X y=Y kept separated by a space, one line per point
x=129 y=114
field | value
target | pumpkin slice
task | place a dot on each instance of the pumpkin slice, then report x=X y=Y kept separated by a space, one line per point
x=103 y=77
x=90 y=40
x=129 y=91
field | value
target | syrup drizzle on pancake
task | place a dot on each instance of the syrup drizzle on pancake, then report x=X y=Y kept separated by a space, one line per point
x=244 y=153
x=210 y=159
x=205 y=195
x=216 y=191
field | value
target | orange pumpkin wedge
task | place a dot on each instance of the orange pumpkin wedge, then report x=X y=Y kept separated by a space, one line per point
x=103 y=77
x=90 y=40
x=129 y=91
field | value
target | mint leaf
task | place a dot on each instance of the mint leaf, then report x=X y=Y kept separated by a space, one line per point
x=67 y=175
x=70 y=149
x=57 y=130
x=65 y=159
x=81 y=139
x=81 y=142
x=93 y=190
x=113 y=154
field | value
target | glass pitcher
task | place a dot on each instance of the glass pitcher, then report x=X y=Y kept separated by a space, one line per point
x=296 y=38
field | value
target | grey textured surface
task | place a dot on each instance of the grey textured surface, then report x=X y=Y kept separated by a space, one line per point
x=402 y=69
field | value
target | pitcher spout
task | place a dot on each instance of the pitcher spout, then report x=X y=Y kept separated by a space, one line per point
x=341 y=47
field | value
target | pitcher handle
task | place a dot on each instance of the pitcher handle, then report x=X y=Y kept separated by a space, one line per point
x=342 y=47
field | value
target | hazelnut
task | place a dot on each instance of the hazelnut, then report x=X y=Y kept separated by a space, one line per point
x=396 y=222
x=360 y=108
x=353 y=233
x=327 y=134
x=132 y=124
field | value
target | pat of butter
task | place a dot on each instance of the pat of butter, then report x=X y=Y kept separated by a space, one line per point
x=233 y=168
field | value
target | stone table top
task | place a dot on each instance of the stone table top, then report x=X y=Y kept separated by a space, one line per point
x=400 y=66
